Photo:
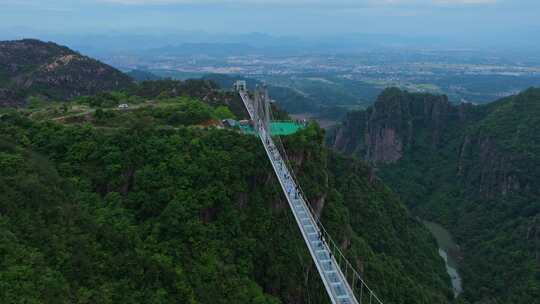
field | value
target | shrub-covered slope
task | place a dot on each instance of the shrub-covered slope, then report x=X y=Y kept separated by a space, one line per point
x=35 y=68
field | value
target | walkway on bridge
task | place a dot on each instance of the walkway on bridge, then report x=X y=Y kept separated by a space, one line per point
x=317 y=240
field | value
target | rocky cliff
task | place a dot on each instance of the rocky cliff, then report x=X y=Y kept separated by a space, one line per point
x=476 y=169
x=396 y=122
x=35 y=68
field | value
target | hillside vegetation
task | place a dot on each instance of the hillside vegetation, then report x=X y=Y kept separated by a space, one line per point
x=161 y=211
x=475 y=169
x=32 y=68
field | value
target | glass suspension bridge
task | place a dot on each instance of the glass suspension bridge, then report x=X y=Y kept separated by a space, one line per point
x=342 y=282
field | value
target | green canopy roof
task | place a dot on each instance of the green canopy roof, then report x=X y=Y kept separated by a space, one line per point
x=278 y=128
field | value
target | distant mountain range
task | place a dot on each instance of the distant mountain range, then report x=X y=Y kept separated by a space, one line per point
x=101 y=43
x=142 y=75
x=50 y=71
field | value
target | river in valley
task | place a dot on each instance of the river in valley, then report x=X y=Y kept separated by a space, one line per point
x=448 y=250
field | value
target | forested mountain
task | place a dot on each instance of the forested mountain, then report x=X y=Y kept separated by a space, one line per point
x=142 y=75
x=149 y=205
x=50 y=71
x=476 y=169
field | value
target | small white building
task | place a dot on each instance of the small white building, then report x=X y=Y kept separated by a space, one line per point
x=123 y=106
x=231 y=123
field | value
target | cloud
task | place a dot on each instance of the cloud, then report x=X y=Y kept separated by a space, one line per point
x=314 y=3
x=334 y=4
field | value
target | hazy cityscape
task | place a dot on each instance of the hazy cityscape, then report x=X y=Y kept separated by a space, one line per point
x=464 y=75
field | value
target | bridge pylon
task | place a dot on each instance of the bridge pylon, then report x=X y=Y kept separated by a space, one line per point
x=261 y=106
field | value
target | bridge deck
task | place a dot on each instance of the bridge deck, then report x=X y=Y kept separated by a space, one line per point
x=334 y=281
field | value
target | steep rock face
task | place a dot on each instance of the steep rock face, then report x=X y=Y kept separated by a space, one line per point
x=32 y=67
x=394 y=123
x=384 y=145
x=499 y=154
x=349 y=137
x=491 y=173
x=401 y=122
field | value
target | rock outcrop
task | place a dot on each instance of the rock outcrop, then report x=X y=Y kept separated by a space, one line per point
x=491 y=172
x=32 y=67
x=402 y=123
x=396 y=121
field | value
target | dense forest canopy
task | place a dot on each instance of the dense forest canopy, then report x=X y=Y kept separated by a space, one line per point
x=136 y=206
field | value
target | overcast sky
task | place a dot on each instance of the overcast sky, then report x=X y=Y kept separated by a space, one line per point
x=294 y=17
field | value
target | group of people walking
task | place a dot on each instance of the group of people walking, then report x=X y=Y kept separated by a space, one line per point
x=291 y=187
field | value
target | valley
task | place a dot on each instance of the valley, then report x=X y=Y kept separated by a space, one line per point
x=473 y=169
x=449 y=251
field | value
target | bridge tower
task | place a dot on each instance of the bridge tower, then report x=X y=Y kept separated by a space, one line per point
x=262 y=108
x=267 y=108
x=240 y=86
